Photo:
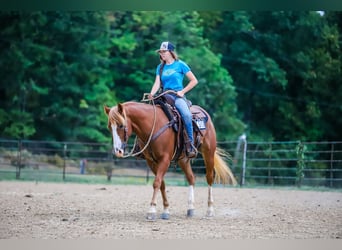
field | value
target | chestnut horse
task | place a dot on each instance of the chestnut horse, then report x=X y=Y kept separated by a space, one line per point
x=146 y=120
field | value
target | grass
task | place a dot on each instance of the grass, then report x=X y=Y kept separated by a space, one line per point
x=57 y=176
x=178 y=180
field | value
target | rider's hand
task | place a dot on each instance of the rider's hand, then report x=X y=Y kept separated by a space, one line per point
x=180 y=93
x=150 y=96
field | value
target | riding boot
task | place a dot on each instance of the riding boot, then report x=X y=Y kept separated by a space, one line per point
x=191 y=150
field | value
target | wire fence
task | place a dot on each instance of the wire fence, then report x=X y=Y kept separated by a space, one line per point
x=291 y=163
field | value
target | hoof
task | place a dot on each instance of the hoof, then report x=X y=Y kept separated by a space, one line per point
x=210 y=213
x=151 y=216
x=165 y=216
x=190 y=213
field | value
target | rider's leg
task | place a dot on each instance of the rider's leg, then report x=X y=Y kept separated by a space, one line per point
x=184 y=111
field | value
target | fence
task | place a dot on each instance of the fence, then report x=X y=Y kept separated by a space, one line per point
x=291 y=163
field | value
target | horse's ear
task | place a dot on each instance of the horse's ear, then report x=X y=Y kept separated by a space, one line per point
x=106 y=109
x=120 y=108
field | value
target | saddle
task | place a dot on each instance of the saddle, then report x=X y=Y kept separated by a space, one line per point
x=166 y=102
x=199 y=120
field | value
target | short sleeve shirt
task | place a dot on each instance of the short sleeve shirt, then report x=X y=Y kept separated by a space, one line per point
x=173 y=75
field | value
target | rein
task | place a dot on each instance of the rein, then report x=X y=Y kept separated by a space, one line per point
x=149 y=138
x=162 y=130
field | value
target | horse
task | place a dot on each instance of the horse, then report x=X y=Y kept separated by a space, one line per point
x=158 y=142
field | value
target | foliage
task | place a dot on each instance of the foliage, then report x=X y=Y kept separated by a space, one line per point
x=284 y=70
x=274 y=82
x=55 y=73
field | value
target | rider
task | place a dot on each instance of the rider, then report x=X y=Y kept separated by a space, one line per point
x=173 y=71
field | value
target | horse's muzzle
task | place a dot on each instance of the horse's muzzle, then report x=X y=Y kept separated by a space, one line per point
x=118 y=152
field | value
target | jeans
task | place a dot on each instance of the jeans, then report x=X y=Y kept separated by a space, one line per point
x=186 y=115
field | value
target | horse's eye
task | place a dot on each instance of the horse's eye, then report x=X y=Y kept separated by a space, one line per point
x=121 y=126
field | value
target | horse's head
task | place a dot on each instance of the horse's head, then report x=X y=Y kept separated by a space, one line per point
x=117 y=124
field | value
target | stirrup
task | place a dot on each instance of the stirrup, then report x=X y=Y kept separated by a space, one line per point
x=191 y=150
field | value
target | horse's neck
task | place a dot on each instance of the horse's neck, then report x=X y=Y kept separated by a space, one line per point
x=141 y=116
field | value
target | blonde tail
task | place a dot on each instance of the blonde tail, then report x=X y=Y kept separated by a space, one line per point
x=223 y=174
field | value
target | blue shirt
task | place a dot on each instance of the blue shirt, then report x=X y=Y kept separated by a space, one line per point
x=173 y=75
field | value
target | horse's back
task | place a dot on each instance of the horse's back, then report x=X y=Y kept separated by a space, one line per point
x=198 y=111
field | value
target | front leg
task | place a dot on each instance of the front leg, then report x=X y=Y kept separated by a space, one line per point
x=151 y=214
x=158 y=184
x=166 y=213
x=186 y=167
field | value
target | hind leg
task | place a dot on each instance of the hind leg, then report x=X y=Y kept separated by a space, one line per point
x=209 y=163
x=186 y=167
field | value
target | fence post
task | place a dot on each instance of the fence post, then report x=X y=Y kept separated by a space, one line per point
x=300 y=163
x=64 y=158
x=331 y=165
x=270 y=180
x=242 y=139
x=18 y=168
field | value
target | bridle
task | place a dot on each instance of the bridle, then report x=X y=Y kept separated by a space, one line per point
x=150 y=138
x=125 y=130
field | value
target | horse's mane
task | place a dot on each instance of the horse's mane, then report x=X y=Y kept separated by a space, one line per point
x=115 y=116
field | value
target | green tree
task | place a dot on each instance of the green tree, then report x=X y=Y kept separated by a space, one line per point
x=56 y=73
x=284 y=73
x=137 y=36
x=281 y=80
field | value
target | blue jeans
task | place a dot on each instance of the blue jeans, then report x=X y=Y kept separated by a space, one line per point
x=186 y=115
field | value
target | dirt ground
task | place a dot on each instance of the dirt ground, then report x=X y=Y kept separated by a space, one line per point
x=84 y=211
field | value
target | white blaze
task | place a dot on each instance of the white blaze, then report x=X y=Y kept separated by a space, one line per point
x=116 y=139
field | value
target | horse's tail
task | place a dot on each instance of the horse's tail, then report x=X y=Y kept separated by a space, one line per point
x=223 y=174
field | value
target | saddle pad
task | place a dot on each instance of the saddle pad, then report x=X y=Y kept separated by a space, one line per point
x=201 y=124
x=199 y=117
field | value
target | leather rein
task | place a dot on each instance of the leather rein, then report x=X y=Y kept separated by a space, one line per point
x=151 y=136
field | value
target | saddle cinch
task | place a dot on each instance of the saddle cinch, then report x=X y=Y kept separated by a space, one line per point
x=166 y=101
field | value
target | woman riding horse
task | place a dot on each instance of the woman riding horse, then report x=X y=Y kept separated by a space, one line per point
x=158 y=141
x=169 y=76
x=158 y=147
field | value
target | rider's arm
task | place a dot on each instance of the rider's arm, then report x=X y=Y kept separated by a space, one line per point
x=192 y=83
x=155 y=87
